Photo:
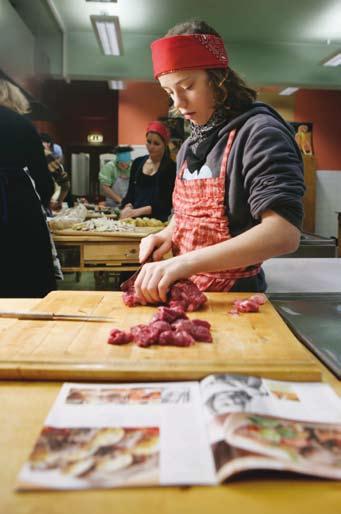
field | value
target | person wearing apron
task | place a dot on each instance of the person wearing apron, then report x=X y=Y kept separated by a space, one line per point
x=114 y=176
x=238 y=193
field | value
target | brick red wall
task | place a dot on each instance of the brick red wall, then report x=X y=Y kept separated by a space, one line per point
x=323 y=109
x=139 y=104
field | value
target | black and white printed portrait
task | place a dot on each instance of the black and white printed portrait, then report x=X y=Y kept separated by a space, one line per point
x=226 y=393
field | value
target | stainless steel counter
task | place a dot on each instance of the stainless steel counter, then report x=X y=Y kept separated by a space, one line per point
x=307 y=294
x=316 y=320
x=315 y=246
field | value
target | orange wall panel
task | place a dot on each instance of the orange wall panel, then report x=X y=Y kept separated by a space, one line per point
x=139 y=104
x=323 y=109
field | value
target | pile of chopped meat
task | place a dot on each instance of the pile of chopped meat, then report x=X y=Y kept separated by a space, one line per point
x=169 y=326
x=251 y=304
x=183 y=293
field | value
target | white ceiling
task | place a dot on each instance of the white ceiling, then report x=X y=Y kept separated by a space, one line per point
x=270 y=42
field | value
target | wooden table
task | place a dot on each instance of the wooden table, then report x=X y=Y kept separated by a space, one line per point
x=84 y=251
x=23 y=408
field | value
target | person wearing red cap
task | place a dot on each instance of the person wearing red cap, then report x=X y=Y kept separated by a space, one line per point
x=152 y=178
x=238 y=193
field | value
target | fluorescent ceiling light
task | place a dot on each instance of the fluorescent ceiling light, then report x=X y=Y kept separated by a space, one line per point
x=102 y=1
x=116 y=84
x=288 y=91
x=335 y=60
x=108 y=34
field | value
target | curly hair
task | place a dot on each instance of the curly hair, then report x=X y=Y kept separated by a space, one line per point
x=230 y=91
x=12 y=98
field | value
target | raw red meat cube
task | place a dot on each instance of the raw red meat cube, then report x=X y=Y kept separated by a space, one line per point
x=202 y=334
x=199 y=331
x=182 y=338
x=168 y=314
x=176 y=338
x=201 y=322
x=161 y=326
x=119 y=337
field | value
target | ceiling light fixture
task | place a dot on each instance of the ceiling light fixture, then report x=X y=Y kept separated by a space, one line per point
x=108 y=34
x=288 y=91
x=335 y=60
x=116 y=84
x=102 y=1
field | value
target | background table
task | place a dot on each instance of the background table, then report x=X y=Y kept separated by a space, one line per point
x=83 y=252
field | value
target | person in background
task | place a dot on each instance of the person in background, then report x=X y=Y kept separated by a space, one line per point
x=58 y=153
x=26 y=263
x=114 y=176
x=238 y=194
x=55 y=167
x=152 y=178
x=174 y=147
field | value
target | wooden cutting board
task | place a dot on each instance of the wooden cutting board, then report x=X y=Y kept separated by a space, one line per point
x=259 y=344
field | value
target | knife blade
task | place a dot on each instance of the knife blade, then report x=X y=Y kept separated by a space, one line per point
x=51 y=316
x=126 y=285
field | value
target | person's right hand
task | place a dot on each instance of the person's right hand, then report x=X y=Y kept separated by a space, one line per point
x=155 y=245
x=55 y=205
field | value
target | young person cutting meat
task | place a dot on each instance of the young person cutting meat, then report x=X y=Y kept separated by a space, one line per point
x=238 y=193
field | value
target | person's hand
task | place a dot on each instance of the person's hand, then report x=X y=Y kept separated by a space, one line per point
x=127 y=211
x=155 y=246
x=155 y=279
x=55 y=205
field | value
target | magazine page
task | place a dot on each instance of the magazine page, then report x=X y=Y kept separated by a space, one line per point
x=104 y=436
x=256 y=423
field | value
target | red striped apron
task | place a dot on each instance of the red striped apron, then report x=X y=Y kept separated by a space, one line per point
x=201 y=220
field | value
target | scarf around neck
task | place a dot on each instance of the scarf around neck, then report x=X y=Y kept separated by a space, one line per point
x=202 y=140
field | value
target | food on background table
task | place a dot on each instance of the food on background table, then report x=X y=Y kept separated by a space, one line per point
x=144 y=222
x=183 y=294
x=68 y=217
x=103 y=225
x=251 y=304
x=168 y=327
x=102 y=210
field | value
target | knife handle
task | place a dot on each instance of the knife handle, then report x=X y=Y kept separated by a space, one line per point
x=25 y=315
x=35 y=315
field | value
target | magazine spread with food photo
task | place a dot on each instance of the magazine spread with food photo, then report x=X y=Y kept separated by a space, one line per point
x=256 y=423
x=184 y=433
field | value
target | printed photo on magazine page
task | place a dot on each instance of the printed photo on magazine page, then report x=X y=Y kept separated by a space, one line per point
x=255 y=423
x=108 y=435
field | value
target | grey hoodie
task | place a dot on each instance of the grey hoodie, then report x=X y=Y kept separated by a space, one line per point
x=264 y=168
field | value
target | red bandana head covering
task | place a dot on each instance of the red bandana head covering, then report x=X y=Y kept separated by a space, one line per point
x=159 y=128
x=188 y=52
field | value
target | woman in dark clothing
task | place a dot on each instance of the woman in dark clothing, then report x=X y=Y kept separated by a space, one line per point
x=26 y=264
x=152 y=178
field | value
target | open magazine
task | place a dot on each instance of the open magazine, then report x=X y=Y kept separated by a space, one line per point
x=182 y=433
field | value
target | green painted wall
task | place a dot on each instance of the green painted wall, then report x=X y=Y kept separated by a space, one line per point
x=16 y=45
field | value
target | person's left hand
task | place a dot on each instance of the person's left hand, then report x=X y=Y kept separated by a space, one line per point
x=127 y=212
x=155 y=278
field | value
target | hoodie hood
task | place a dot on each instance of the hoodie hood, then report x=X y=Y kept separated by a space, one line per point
x=257 y=108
